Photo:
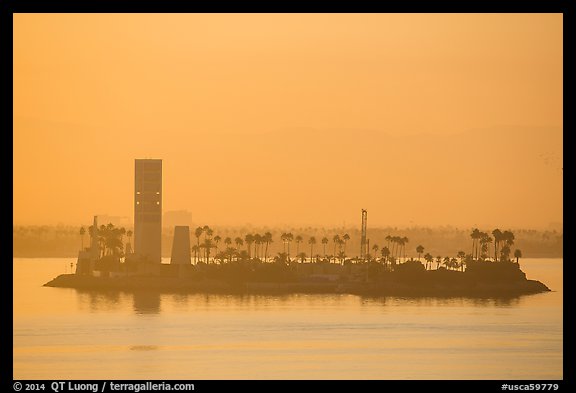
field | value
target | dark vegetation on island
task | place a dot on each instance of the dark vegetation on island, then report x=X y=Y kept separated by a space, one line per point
x=244 y=264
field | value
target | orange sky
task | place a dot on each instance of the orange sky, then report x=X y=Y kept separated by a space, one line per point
x=291 y=118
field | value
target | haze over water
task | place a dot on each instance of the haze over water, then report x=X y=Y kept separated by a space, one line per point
x=64 y=333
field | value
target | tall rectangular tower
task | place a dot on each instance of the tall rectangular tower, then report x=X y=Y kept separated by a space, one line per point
x=148 y=209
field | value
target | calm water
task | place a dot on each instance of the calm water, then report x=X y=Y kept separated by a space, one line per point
x=63 y=333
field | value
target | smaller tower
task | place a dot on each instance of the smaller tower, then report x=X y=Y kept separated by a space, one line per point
x=181 y=246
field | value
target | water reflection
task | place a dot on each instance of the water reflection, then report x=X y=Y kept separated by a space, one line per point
x=508 y=301
x=150 y=302
x=143 y=302
x=146 y=302
x=98 y=300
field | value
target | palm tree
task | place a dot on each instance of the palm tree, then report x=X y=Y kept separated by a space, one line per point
x=341 y=243
x=385 y=251
x=196 y=250
x=461 y=255
x=249 y=239
x=267 y=240
x=454 y=263
x=207 y=246
x=198 y=232
x=497 y=239
x=257 y=243
x=283 y=237
x=312 y=241
x=517 y=254
x=110 y=239
x=239 y=242
x=393 y=241
x=298 y=241
x=485 y=240
x=508 y=238
x=419 y=250
x=324 y=242
x=302 y=256
x=342 y=256
x=438 y=261
x=228 y=241
x=475 y=235
x=505 y=253
x=448 y=263
x=217 y=239
x=429 y=259
x=404 y=240
x=346 y=237
x=375 y=249
x=82 y=232
x=230 y=251
x=388 y=238
x=289 y=238
x=336 y=240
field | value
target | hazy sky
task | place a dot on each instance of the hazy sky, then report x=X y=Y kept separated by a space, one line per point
x=291 y=118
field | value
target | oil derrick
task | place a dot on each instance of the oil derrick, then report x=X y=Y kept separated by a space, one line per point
x=363 y=241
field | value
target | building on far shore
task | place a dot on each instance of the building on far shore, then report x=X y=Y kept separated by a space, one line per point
x=148 y=209
x=181 y=246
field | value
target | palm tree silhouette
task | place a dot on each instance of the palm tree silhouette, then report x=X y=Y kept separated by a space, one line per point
x=217 y=239
x=302 y=256
x=289 y=238
x=461 y=255
x=385 y=251
x=419 y=250
x=312 y=241
x=249 y=239
x=284 y=238
x=257 y=243
x=517 y=254
x=429 y=259
x=497 y=239
x=207 y=246
x=346 y=237
x=267 y=240
x=475 y=235
x=239 y=242
x=324 y=242
x=485 y=239
x=438 y=261
x=196 y=250
x=298 y=240
x=336 y=240
x=508 y=238
x=375 y=249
